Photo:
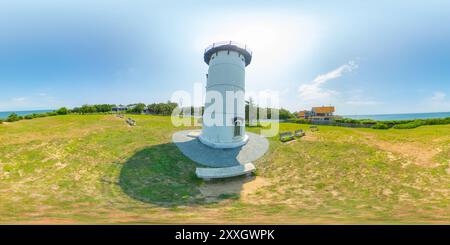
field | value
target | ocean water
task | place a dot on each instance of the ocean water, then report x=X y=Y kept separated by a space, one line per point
x=406 y=116
x=5 y=114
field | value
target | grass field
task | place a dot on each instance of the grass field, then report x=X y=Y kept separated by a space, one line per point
x=96 y=169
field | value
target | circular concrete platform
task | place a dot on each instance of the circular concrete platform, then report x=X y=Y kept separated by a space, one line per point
x=190 y=145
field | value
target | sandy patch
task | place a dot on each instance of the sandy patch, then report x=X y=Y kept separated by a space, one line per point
x=423 y=156
x=242 y=186
x=60 y=165
x=289 y=142
x=310 y=137
x=417 y=154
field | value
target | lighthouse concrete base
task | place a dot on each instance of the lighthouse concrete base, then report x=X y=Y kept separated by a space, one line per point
x=189 y=143
x=224 y=145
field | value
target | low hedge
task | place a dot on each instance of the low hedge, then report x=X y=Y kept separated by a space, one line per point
x=302 y=121
x=420 y=122
x=380 y=125
x=397 y=124
x=14 y=117
x=408 y=125
x=436 y=121
x=348 y=120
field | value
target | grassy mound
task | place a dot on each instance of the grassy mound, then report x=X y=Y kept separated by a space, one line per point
x=97 y=169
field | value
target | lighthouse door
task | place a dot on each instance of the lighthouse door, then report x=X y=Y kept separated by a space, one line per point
x=237 y=127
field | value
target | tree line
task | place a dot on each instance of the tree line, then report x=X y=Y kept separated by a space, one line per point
x=283 y=114
x=96 y=108
x=138 y=108
x=165 y=109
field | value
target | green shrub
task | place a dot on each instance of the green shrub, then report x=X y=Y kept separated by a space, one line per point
x=75 y=110
x=302 y=121
x=395 y=122
x=87 y=109
x=49 y=114
x=367 y=121
x=284 y=114
x=139 y=108
x=436 y=121
x=413 y=124
x=1 y=121
x=13 y=118
x=348 y=120
x=28 y=117
x=380 y=125
x=102 y=107
x=408 y=124
x=62 y=111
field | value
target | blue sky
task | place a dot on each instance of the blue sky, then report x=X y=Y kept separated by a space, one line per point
x=364 y=57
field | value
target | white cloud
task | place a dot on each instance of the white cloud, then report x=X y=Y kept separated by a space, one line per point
x=19 y=99
x=438 y=101
x=362 y=102
x=13 y=103
x=358 y=97
x=314 y=90
x=438 y=96
x=29 y=103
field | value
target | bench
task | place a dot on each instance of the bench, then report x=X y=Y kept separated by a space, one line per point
x=314 y=128
x=131 y=122
x=218 y=173
x=286 y=136
x=299 y=133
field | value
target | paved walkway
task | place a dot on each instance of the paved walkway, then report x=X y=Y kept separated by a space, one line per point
x=190 y=146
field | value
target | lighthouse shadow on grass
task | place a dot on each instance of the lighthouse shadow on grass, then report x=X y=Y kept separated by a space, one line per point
x=162 y=175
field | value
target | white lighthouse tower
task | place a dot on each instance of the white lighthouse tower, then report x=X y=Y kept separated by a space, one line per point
x=226 y=76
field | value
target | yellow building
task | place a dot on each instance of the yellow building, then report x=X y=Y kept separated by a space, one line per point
x=318 y=113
